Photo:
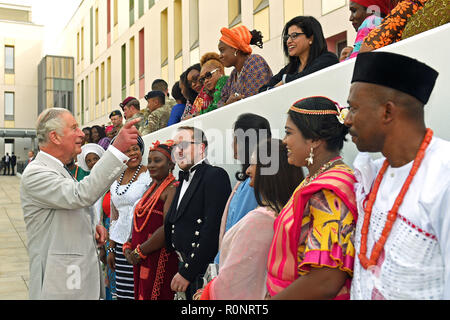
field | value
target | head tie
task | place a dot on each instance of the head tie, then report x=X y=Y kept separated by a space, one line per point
x=238 y=38
x=157 y=147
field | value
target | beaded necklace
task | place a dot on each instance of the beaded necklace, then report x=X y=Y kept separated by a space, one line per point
x=392 y=215
x=322 y=169
x=129 y=183
x=149 y=200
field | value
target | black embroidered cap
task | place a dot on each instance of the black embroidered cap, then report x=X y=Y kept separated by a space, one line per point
x=396 y=71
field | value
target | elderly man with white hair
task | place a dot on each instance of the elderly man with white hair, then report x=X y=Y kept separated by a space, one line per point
x=62 y=240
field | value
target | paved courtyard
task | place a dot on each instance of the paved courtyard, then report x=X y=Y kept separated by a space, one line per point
x=14 y=273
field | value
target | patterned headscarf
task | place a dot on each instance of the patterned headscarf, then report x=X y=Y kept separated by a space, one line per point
x=238 y=38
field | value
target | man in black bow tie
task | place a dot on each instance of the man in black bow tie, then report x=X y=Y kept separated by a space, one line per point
x=193 y=221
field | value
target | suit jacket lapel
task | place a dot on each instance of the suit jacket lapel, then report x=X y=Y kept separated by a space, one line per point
x=190 y=190
x=173 y=207
x=53 y=164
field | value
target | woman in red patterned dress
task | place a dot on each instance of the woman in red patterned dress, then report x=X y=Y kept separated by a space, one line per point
x=154 y=267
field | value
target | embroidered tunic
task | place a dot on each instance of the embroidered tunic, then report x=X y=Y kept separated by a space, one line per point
x=415 y=262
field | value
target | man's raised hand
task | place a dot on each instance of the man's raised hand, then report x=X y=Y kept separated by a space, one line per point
x=127 y=136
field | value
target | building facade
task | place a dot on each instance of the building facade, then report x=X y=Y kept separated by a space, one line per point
x=21 y=42
x=120 y=47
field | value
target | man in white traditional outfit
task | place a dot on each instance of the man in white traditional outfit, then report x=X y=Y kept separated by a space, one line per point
x=402 y=238
x=62 y=237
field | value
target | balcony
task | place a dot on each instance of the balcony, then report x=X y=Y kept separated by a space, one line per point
x=430 y=47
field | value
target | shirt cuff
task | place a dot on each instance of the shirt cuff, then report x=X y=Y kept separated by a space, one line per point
x=118 y=154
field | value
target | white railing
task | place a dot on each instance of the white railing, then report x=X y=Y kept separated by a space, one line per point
x=431 y=47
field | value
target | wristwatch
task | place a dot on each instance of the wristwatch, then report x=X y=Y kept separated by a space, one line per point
x=135 y=253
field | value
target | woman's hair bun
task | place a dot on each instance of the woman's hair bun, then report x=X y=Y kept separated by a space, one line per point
x=257 y=38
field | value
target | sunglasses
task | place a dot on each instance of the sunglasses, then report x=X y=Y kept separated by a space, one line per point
x=207 y=75
x=293 y=36
x=184 y=144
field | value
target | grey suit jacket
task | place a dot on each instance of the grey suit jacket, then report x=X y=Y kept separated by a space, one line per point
x=61 y=236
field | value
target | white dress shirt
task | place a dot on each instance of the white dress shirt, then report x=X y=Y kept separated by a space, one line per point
x=185 y=185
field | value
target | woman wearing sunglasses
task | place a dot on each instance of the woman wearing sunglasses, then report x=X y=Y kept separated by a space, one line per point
x=306 y=48
x=212 y=78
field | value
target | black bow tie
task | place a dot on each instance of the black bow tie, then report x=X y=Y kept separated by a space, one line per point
x=184 y=175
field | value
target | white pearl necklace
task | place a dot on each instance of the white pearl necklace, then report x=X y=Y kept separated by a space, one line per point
x=129 y=183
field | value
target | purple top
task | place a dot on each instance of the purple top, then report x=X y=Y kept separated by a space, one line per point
x=104 y=142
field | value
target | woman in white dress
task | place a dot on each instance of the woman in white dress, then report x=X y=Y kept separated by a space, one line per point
x=130 y=187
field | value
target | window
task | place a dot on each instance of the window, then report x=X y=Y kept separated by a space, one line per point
x=92 y=34
x=108 y=81
x=78 y=47
x=131 y=12
x=124 y=71
x=97 y=80
x=178 y=28
x=164 y=38
x=193 y=25
x=261 y=17
x=141 y=8
x=87 y=97
x=102 y=90
x=151 y=3
x=116 y=12
x=234 y=12
x=96 y=27
x=331 y=5
x=9 y=59
x=132 y=60
x=9 y=106
x=141 y=63
x=82 y=102
x=108 y=17
x=82 y=43
x=292 y=9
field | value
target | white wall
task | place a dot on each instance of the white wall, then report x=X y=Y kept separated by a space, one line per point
x=333 y=82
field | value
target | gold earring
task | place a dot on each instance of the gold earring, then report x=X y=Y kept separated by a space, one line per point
x=310 y=159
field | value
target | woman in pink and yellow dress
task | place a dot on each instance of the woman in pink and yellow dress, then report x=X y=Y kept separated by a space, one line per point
x=312 y=251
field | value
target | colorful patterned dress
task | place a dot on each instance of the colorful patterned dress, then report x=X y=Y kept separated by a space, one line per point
x=217 y=95
x=315 y=229
x=370 y=23
x=435 y=13
x=254 y=74
x=392 y=27
x=202 y=102
x=153 y=276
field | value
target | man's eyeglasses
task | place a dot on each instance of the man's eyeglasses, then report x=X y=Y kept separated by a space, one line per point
x=185 y=144
x=207 y=75
x=293 y=36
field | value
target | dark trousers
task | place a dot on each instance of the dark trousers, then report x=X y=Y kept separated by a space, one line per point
x=194 y=286
x=7 y=166
x=12 y=168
